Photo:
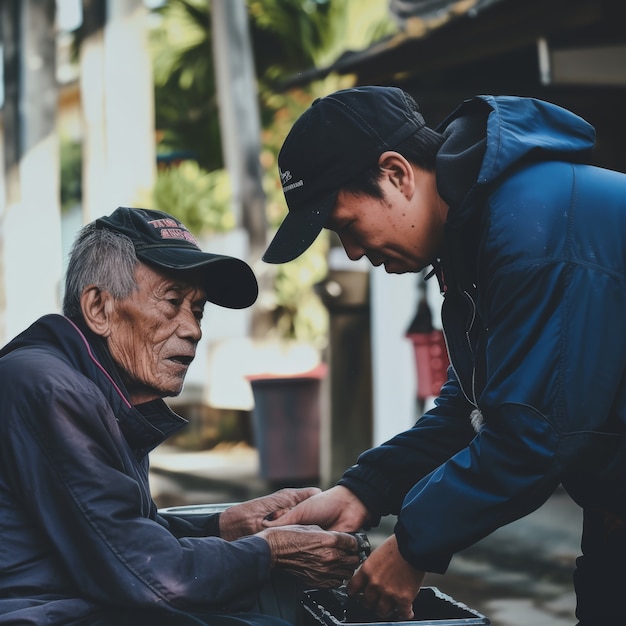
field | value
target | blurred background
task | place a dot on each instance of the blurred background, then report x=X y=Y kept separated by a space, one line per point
x=182 y=105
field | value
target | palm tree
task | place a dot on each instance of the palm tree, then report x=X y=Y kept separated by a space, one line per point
x=287 y=36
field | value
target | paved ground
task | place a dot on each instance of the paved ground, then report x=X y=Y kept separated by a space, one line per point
x=519 y=576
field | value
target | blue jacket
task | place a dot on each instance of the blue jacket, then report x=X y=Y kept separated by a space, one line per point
x=534 y=272
x=80 y=532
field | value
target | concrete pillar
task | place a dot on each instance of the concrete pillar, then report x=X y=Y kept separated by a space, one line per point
x=30 y=225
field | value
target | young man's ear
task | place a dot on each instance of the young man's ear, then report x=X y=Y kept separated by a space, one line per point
x=96 y=305
x=399 y=172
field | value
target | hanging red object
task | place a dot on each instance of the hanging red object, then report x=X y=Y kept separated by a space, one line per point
x=431 y=354
x=431 y=362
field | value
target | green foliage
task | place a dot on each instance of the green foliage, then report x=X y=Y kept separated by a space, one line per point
x=290 y=35
x=287 y=36
x=186 y=110
x=298 y=311
x=200 y=199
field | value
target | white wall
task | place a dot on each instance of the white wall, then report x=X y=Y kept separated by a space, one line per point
x=393 y=305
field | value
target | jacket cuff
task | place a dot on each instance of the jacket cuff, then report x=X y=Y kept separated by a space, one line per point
x=212 y=527
x=424 y=562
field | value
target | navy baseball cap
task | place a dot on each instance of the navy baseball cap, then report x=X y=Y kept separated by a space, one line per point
x=336 y=138
x=163 y=241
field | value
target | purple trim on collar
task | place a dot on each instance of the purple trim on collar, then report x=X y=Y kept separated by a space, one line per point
x=98 y=364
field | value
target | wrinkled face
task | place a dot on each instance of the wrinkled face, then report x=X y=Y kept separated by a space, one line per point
x=403 y=231
x=154 y=333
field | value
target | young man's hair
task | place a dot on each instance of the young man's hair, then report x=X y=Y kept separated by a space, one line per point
x=420 y=148
x=102 y=258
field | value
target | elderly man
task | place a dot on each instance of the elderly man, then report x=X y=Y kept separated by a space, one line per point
x=81 y=406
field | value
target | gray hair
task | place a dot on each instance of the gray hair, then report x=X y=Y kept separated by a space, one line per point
x=102 y=258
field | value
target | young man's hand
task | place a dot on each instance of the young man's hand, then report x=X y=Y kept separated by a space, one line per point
x=334 y=509
x=386 y=583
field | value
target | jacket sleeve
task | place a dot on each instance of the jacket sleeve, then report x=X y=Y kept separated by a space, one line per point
x=79 y=486
x=190 y=526
x=383 y=475
x=552 y=367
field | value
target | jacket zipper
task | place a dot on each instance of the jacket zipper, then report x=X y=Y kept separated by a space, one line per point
x=469 y=343
x=437 y=271
x=472 y=400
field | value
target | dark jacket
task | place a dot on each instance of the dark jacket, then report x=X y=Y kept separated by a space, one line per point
x=534 y=273
x=79 y=529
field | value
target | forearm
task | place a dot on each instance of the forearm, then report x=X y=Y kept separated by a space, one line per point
x=507 y=472
x=383 y=475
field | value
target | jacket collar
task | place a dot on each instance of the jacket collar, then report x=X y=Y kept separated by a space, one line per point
x=144 y=426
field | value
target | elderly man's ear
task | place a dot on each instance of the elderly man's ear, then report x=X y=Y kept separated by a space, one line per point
x=97 y=306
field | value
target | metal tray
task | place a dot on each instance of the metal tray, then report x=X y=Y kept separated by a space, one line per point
x=333 y=607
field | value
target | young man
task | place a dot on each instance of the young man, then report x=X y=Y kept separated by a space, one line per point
x=80 y=409
x=527 y=240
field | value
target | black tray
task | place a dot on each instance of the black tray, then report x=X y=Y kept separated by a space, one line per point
x=332 y=607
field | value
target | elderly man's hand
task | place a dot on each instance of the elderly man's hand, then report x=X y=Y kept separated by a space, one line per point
x=386 y=583
x=247 y=518
x=320 y=558
x=334 y=509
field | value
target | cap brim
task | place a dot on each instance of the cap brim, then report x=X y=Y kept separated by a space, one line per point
x=299 y=230
x=228 y=281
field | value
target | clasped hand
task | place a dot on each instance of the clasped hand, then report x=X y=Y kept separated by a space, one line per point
x=248 y=518
x=318 y=557
x=385 y=582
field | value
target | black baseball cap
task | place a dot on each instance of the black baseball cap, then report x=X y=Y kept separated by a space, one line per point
x=336 y=138
x=163 y=241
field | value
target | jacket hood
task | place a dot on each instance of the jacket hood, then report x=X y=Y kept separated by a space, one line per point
x=486 y=137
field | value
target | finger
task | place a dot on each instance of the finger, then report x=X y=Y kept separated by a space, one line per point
x=331 y=582
x=387 y=605
x=286 y=499
x=292 y=495
x=333 y=577
x=346 y=542
x=356 y=584
x=385 y=608
x=276 y=514
x=369 y=597
x=404 y=612
x=342 y=567
x=305 y=493
x=282 y=517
